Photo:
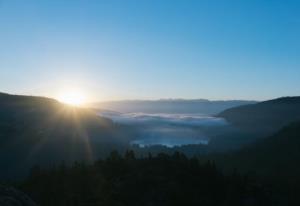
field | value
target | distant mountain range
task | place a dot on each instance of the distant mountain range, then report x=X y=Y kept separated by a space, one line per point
x=171 y=106
x=264 y=118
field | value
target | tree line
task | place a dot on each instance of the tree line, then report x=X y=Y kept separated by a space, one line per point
x=152 y=180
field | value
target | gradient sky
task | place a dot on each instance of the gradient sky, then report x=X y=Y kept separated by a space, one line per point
x=148 y=49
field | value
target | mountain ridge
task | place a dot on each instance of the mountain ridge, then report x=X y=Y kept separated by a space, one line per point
x=39 y=130
x=274 y=156
x=265 y=117
x=200 y=106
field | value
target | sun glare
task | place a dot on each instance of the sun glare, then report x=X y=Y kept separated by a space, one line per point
x=74 y=98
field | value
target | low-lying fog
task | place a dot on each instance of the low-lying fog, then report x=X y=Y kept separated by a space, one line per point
x=167 y=129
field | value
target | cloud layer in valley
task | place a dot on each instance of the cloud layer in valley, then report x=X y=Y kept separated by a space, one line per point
x=162 y=118
x=167 y=129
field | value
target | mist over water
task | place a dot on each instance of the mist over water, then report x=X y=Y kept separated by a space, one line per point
x=167 y=129
x=170 y=136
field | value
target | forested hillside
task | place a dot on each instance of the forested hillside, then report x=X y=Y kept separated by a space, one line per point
x=266 y=117
x=42 y=130
x=276 y=155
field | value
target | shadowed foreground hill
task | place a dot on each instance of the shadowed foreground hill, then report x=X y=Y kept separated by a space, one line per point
x=42 y=130
x=277 y=155
x=274 y=160
x=266 y=117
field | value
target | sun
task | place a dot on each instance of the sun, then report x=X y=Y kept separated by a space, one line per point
x=72 y=97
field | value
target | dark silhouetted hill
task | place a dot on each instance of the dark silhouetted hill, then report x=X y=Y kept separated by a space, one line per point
x=265 y=117
x=274 y=160
x=274 y=156
x=42 y=130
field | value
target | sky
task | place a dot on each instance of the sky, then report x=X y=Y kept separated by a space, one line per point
x=151 y=49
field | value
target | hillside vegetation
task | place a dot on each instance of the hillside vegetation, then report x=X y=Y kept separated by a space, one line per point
x=266 y=117
x=42 y=130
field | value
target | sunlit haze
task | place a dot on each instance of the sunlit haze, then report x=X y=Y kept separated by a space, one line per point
x=72 y=97
x=151 y=49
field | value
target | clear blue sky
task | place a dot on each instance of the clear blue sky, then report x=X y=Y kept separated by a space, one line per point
x=148 y=49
